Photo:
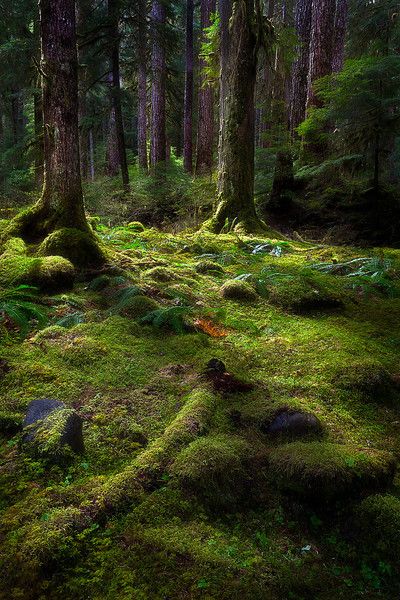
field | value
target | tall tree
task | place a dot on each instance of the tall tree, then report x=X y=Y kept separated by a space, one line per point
x=321 y=45
x=82 y=14
x=341 y=17
x=188 y=103
x=301 y=63
x=236 y=174
x=205 y=130
x=115 y=87
x=142 y=83
x=158 y=91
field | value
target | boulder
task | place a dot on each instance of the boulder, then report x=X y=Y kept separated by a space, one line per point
x=52 y=428
x=293 y=423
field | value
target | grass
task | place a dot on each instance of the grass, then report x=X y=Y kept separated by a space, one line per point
x=132 y=383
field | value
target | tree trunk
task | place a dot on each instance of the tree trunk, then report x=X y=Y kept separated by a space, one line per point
x=225 y=12
x=113 y=17
x=188 y=103
x=82 y=15
x=158 y=94
x=112 y=152
x=91 y=155
x=301 y=64
x=17 y=115
x=321 y=45
x=142 y=85
x=236 y=175
x=205 y=131
x=342 y=13
x=38 y=120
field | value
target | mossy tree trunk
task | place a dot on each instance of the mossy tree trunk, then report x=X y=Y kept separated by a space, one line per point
x=236 y=207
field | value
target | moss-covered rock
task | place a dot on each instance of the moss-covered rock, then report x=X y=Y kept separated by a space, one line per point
x=321 y=470
x=238 y=290
x=214 y=468
x=140 y=306
x=14 y=246
x=304 y=293
x=80 y=247
x=136 y=226
x=162 y=274
x=49 y=274
x=378 y=518
x=205 y=267
x=369 y=377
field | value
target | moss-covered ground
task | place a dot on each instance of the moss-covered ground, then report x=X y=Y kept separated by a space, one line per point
x=180 y=492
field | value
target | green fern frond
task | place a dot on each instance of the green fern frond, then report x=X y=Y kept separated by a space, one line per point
x=173 y=318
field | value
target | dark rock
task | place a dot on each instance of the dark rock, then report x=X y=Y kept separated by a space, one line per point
x=52 y=426
x=216 y=366
x=293 y=423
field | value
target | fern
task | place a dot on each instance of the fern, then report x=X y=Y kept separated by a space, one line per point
x=20 y=305
x=173 y=318
x=123 y=298
x=71 y=320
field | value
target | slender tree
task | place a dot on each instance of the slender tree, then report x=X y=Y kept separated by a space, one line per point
x=158 y=91
x=301 y=64
x=188 y=103
x=236 y=174
x=82 y=15
x=142 y=83
x=341 y=18
x=205 y=131
x=321 y=45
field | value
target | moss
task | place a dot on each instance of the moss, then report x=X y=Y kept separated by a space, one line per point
x=136 y=226
x=305 y=293
x=80 y=247
x=51 y=439
x=321 y=470
x=50 y=274
x=207 y=266
x=378 y=518
x=10 y=422
x=214 y=468
x=367 y=376
x=238 y=290
x=140 y=306
x=14 y=246
x=81 y=350
x=162 y=274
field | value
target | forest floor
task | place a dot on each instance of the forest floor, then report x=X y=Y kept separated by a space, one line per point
x=234 y=508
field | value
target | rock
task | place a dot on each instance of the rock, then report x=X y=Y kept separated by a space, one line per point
x=52 y=428
x=292 y=422
x=215 y=365
x=238 y=290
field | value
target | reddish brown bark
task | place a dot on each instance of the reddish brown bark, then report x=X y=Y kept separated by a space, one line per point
x=205 y=130
x=142 y=84
x=158 y=93
x=321 y=45
x=342 y=13
x=188 y=102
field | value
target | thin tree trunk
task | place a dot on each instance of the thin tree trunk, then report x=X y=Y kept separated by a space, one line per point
x=205 y=131
x=38 y=120
x=158 y=93
x=188 y=103
x=142 y=84
x=17 y=111
x=113 y=16
x=321 y=45
x=91 y=155
x=301 y=64
x=82 y=15
x=342 y=13
x=225 y=12
x=112 y=152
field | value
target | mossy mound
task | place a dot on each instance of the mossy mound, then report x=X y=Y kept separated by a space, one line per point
x=49 y=274
x=378 y=518
x=205 y=267
x=305 y=293
x=162 y=274
x=136 y=226
x=238 y=290
x=215 y=469
x=10 y=422
x=321 y=470
x=80 y=247
x=14 y=246
x=140 y=306
x=369 y=377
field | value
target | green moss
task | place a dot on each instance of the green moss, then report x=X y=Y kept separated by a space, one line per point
x=140 y=306
x=238 y=290
x=305 y=293
x=47 y=440
x=162 y=274
x=10 y=422
x=322 y=470
x=136 y=226
x=207 y=266
x=80 y=247
x=50 y=274
x=215 y=469
x=367 y=376
x=379 y=520
x=14 y=246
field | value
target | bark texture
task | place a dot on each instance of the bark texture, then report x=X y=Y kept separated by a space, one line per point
x=321 y=45
x=142 y=84
x=158 y=93
x=341 y=18
x=205 y=131
x=301 y=64
x=82 y=15
x=188 y=102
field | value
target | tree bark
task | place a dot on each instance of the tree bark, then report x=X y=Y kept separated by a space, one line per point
x=342 y=13
x=113 y=17
x=112 y=152
x=158 y=93
x=321 y=45
x=301 y=64
x=188 y=102
x=38 y=120
x=205 y=131
x=225 y=13
x=82 y=16
x=142 y=84
x=236 y=174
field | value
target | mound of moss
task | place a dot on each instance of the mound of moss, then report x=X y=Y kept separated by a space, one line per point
x=162 y=274
x=80 y=247
x=136 y=226
x=369 y=377
x=238 y=290
x=140 y=306
x=379 y=520
x=305 y=293
x=205 y=267
x=322 y=470
x=214 y=468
